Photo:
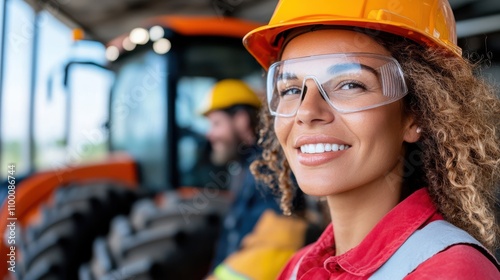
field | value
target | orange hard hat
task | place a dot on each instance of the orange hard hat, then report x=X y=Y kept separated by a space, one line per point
x=228 y=93
x=429 y=22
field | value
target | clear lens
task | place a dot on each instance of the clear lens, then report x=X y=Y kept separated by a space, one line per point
x=349 y=82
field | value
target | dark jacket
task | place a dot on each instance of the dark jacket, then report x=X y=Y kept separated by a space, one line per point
x=251 y=200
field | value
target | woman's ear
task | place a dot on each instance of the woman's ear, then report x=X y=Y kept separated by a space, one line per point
x=412 y=131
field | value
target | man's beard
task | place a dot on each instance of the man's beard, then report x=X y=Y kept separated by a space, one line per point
x=221 y=157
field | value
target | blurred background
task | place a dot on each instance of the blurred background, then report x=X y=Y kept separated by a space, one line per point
x=37 y=42
x=116 y=85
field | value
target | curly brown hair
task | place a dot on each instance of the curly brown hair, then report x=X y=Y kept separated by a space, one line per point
x=459 y=145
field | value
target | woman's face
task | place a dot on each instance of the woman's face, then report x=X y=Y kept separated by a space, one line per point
x=372 y=139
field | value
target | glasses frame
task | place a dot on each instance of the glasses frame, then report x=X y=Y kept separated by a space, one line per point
x=270 y=82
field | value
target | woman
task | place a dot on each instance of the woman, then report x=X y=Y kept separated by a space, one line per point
x=373 y=107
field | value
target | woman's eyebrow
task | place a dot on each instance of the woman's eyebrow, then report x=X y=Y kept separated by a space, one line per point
x=347 y=67
x=334 y=69
x=287 y=76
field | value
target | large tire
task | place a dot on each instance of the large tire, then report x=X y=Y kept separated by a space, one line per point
x=175 y=240
x=55 y=247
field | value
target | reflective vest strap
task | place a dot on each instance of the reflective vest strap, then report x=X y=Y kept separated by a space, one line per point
x=295 y=271
x=422 y=245
x=224 y=272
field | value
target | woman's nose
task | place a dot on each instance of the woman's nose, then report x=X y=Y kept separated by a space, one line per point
x=313 y=107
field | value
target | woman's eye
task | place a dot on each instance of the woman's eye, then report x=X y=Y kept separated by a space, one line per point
x=290 y=91
x=352 y=85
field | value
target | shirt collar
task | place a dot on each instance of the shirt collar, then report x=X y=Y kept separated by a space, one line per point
x=382 y=241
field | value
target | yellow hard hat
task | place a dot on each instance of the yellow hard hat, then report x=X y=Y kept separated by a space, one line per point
x=228 y=93
x=429 y=22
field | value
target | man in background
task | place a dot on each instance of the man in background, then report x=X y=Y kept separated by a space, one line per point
x=233 y=114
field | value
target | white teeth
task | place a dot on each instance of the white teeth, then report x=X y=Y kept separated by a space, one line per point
x=303 y=149
x=311 y=148
x=335 y=147
x=321 y=148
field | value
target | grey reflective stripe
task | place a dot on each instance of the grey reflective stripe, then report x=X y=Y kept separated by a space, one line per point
x=296 y=269
x=420 y=246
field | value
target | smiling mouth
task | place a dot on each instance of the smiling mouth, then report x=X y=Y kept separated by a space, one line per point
x=322 y=148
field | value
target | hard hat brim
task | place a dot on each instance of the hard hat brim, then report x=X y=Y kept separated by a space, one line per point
x=263 y=42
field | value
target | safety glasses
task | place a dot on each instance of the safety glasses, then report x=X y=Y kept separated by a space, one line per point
x=348 y=82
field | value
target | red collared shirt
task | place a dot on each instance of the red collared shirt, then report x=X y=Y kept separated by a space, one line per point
x=456 y=262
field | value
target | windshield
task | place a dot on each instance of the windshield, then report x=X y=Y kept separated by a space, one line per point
x=156 y=102
x=138 y=104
